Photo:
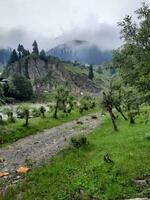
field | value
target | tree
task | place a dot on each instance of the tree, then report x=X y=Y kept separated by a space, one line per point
x=42 y=55
x=131 y=103
x=35 y=48
x=13 y=57
x=2 y=101
x=22 y=51
x=107 y=103
x=133 y=58
x=42 y=111
x=63 y=98
x=21 y=87
x=26 y=114
x=10 y=115
x=19 y=49
x=91 y=74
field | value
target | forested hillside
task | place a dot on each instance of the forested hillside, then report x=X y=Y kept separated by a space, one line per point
x=82 y=52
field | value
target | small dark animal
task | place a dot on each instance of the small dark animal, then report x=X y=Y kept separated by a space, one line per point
x=107 y=158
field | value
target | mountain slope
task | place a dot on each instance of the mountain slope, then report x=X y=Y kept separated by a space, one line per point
x=4 y=56
x=47 y=74
x=81 y=51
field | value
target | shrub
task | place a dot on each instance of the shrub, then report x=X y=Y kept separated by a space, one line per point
x=42 y=111
x=147 y=136
x=79 y=141
x=36 y=112
x=21 y=88
x=19 y=112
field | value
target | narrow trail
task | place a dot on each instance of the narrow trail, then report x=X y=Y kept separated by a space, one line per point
x=39 y=148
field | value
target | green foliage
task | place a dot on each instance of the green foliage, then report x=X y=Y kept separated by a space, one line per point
x=91 y=74
x=11 y=132
x=13 y=57
x=2 y=98
x=78 y=172
x=26 y=114
x=36 y=112
x=63 y=99
x=86 y=103
x=43 y=55
x=10 y=114
x=42 y=111
x=79 y=141
x=133 y=58
x=35 y=48
x=21 y=87
x=22 y=51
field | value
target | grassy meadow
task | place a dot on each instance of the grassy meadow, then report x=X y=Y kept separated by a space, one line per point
x=82 y=173
x=11 y=132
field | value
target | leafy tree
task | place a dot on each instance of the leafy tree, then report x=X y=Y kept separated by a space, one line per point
x=10 y=114
x=21 y=87
x=62 y=98
x=107 y=103
x=26 y=114
x=131 y=103
x=13 y=57
x=43 y=110
x=2 y=101
x=133 y=58
x=70 y=103
x=35 y=48
x=91 y=74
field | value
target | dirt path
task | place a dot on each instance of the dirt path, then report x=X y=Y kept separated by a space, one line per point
x=37 y=149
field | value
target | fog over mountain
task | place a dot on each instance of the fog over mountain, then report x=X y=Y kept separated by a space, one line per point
x=53 y=23
x=105 y=36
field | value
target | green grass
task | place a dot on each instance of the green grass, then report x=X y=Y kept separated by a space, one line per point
x=11 y=132
x=80 y=70
x=84 y=170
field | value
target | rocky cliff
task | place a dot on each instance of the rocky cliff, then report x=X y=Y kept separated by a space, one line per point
x=47 y=74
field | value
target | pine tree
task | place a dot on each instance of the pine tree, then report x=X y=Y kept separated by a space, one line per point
x=91 y=74
x=35 y=48
x=13 y=57
x=19 y=49
x=42 y=54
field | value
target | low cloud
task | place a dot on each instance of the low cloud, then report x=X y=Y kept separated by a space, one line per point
x=105 y=36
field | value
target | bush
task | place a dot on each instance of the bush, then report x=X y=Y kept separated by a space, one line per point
x=21 y=88
x=36 y=112
x=19 y=112
x=147 y=136
x=86 y=103
x=78 y=142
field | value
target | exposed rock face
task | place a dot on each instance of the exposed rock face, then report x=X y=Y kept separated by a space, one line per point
x=45 y=75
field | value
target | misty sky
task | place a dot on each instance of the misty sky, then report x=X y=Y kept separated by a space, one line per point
x=62 y=20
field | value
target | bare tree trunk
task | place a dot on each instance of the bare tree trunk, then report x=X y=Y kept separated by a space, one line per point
x=120 y=111
x=27 y=121
x=55 y=112
x=113 y=121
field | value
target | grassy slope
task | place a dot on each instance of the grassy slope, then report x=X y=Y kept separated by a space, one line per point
x=85 y=169
x=80 y=70
x=11 y=132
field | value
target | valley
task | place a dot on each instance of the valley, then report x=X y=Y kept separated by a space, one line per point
x=74 y=100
